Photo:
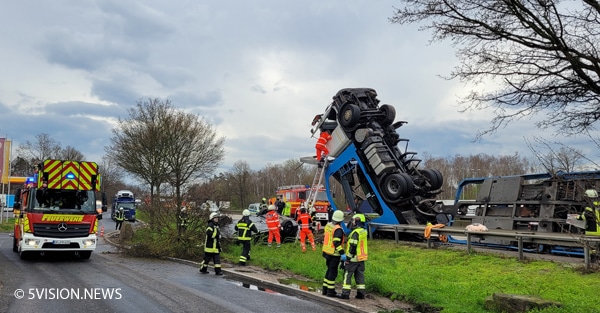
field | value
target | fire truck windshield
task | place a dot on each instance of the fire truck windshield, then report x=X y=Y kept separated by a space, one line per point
x=54 y=200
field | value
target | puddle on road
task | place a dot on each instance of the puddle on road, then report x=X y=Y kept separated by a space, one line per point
x=311 y=286
x=252 y=287
x=302 y=284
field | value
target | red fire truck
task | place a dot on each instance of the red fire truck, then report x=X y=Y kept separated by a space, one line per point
x=56 y=209
x=297 y=195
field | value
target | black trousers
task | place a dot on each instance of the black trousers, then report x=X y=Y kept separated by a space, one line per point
x=331 y=274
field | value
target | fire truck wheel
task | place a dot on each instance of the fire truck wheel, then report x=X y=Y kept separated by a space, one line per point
x=349 y=115
x=15 y=247
x=389 y=113
x=395 y=186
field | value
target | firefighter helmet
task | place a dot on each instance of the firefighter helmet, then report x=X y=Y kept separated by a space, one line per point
x=591 y=193
x=360 y=217
x=213 y=215
x=246 y=212
x=302 y=210
x=271 y=207
x=121 y=209
x=338 y=216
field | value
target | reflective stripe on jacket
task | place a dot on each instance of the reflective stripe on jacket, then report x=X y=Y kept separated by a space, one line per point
x=272 y=220
x=357 y=245
x=333 y=240
x=304 y=220
x=245 y=228
x=213 y=236
x=592 y=218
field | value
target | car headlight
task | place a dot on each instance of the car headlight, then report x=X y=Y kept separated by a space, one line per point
x=89 y=242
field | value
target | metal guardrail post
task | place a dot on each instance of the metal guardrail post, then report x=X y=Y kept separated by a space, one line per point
x=520 y=239
x=396 y=236
x=586 y=254
x=469 y=243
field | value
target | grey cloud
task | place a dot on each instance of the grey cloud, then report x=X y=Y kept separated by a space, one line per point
x=115 y=91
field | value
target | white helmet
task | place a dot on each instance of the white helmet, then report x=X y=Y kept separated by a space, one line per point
x=121 y=209
x=213 y=215
x=271 y=207
x=246 y=212
x=338 y=216
x=591 y=193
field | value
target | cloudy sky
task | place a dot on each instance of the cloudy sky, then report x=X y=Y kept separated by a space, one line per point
x=259 y=71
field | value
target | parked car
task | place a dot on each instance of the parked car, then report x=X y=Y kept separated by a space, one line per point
x=254 y=208
x=288 y=233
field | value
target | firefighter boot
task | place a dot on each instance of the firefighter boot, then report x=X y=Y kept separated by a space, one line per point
x=324 y=292
x=203 y=270
x=360 y=294
x=331 y=293
x=218 y=271
x=345 y=294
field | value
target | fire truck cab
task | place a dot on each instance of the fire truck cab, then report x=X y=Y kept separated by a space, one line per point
x=56 y=210
x=297 y=195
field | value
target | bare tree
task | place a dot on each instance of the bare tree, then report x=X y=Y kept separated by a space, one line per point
x=240 y=182
x=163 y=145
x=542 y=54
x=45 y=147
x=193 y=150
x=558 y=156
x=138 y=144
x=70 y=153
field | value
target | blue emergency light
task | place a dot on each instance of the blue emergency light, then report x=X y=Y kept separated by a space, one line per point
x=70 y=176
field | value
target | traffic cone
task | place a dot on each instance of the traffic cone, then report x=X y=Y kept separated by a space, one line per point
x=102 y=231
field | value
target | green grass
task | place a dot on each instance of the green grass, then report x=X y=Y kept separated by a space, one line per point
x=451 y=280
x=7 y=226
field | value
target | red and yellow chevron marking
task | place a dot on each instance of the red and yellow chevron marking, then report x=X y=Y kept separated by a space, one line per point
x=87 y=170
x=82 y=172
x=54 y=170
x=70 y=167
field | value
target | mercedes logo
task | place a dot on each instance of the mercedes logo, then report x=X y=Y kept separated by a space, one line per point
x=62 y=227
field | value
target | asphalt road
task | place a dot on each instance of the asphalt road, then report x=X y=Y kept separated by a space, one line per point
x=109 y=282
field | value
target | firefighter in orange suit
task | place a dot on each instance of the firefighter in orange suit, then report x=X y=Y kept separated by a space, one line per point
x=274 y=226
x=333 y=251
x=357 y=253
x=305 y=223
x=321 y=147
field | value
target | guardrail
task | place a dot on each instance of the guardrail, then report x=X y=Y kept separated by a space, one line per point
x=586 y=242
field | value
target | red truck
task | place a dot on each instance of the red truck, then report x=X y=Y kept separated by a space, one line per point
x=56 y=210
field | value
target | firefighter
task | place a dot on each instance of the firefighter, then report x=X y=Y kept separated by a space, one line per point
x=245 y=229
x=263 y=206
x=119 y=217
x=274 y=226
x=591 y=214
x=333 y=251
x=183 y=220
x=357 y=254
x=321 y=147
x=305 y=222
x=287 y=209
x=280 y=205
x=212 y=245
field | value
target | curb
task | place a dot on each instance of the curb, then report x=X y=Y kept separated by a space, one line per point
x=231 y=273
x=337 y=305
